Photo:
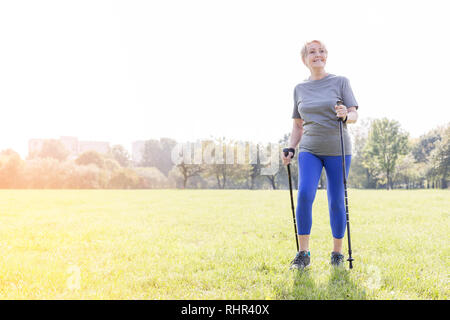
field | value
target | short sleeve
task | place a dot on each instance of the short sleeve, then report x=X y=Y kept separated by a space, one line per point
x=347 y=94
x=295 y=113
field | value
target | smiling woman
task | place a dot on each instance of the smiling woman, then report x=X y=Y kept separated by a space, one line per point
x=315 y=127
x=308 y=50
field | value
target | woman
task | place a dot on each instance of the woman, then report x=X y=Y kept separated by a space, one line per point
x=316 y=128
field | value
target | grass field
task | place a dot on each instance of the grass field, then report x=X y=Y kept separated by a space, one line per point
x=217 y=244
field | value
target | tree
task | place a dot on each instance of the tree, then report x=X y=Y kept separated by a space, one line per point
x=45 y=173
x=166 y=164
x=151 y=154
x=89 y=177
x=242 y=169
x=255 y=168
x=111 y=165
x=158 y=154
x=363 y=173
x=431 y=150
x=52 y=148
x=214 y=153
x=91 y=157
x=422 y=149
x=406 y=171
x=223 y=165
x=184 y=167
x=440 y=158
x=120 y=154
x=189 y=171
x=272 y=178
x=125 y=178
x=385 y=143
x=10 y=169
x=152 y=177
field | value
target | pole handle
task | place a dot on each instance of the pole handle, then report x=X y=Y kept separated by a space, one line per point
x=287 y=150
x=340 y=103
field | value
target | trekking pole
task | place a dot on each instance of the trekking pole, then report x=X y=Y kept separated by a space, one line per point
x=340 y=120
x=286 y=153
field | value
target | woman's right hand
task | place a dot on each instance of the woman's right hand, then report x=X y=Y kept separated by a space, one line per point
x=288 y=154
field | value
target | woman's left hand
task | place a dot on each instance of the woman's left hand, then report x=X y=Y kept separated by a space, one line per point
x=341 y=111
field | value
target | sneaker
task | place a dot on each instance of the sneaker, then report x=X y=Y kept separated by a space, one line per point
x=337 y=259
x=301 y=261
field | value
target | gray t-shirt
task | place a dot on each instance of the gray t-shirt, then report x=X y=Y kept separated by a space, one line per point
x=314 y=102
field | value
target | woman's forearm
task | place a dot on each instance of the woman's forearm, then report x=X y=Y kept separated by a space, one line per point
x=296 y=136
x=352 y=116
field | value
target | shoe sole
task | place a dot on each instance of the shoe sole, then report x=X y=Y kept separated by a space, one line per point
x=341 y=265
x=305 y=267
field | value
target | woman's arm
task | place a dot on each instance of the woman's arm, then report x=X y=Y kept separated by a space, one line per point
x=296 y=135
x=352 y=115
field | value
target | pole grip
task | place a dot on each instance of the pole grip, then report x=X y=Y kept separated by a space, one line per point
x=339 y=103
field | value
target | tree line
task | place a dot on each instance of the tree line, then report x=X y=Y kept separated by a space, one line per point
x=383 y=156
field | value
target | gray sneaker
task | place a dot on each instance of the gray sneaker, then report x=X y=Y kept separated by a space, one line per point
x=337 y=259
x=301 y=261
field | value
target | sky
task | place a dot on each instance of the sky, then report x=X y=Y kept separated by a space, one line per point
x=121 y=71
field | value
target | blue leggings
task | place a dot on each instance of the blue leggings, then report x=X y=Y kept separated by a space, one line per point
x=310 y=168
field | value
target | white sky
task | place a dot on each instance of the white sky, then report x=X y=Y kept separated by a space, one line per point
x=121 y=71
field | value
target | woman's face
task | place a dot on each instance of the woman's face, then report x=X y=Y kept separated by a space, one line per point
x=316 y=56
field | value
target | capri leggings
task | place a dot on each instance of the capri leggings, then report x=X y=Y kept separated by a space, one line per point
x=310 y=168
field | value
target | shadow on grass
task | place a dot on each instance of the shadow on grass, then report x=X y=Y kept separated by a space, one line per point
x=340 y=286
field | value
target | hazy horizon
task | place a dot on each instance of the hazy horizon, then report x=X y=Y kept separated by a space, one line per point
x=23 y=151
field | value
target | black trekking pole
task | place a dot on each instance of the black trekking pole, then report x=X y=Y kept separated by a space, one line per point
x=286 y=153
x=350 y=259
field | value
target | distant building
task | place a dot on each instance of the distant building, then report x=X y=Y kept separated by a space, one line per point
x=137 y=151
x=99 y=146
x=72 y=144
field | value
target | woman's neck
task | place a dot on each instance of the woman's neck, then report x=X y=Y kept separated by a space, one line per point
x=318 y=74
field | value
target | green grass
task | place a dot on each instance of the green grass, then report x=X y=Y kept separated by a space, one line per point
x=214 y=244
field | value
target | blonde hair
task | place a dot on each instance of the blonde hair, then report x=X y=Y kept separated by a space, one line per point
x=304 y=51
